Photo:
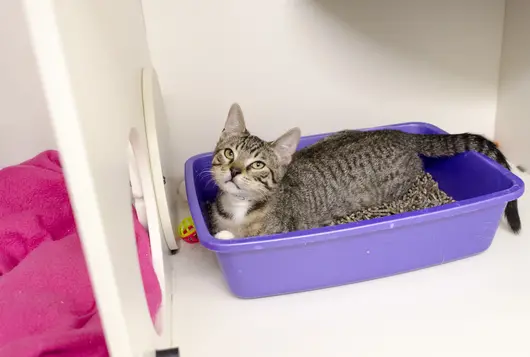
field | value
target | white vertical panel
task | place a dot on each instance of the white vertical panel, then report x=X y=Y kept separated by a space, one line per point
x=91 y=54
x=513 y=113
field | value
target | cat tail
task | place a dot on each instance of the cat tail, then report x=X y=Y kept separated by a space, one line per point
x=450 y=145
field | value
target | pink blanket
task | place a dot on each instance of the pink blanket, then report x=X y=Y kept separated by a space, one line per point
x=47 y=307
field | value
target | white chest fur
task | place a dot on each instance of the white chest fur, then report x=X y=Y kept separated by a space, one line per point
x=237 y=209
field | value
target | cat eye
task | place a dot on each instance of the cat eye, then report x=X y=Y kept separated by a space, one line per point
x=257 y=165
x=229 y=154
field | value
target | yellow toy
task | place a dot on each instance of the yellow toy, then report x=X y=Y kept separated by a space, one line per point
x=187 y=231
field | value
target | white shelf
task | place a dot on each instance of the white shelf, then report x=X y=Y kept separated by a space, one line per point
x=474 y=307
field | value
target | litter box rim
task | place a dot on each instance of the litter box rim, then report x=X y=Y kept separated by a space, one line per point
x=322 y=234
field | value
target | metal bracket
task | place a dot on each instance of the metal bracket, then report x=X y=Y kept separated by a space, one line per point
x=172 y=352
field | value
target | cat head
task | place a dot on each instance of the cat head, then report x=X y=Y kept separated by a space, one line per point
x=246 y=166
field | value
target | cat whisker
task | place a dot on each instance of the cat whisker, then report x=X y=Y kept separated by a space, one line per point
x=204 y=173
x=210 y=181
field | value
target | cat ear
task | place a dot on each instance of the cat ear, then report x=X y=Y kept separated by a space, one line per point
x=235 y=123
x=285 y=145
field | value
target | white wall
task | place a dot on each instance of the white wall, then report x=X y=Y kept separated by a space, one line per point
x=324 y=65
x=513 y=116
x=25 y=128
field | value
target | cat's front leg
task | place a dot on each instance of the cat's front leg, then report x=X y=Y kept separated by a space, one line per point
x=224 y=235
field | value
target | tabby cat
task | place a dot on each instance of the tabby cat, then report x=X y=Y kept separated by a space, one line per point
x=267 y=187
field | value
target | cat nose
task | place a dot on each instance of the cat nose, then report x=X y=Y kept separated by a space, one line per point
x=234 y=171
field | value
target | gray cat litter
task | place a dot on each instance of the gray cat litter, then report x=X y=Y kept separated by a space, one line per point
x=424 y=193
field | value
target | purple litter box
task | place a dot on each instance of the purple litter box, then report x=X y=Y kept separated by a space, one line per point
x=353 y=252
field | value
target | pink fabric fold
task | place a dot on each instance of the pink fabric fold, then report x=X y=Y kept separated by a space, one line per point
x=47 y=307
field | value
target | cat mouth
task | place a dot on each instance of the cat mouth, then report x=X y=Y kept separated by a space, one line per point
x=232 y=182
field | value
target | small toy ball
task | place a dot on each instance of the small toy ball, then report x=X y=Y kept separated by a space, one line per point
x=187 y=231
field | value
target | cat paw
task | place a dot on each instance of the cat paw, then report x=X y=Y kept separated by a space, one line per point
x=224 y=235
